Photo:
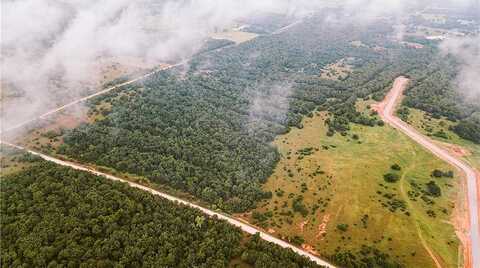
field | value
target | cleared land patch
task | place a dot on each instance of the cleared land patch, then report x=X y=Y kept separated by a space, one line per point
x=334 y=194
x=234 y=35
x=338 y=70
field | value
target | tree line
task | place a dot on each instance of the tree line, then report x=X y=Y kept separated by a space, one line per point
x=56 y=216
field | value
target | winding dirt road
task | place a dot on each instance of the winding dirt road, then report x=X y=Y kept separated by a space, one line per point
x=386 y=111
x=240 y=224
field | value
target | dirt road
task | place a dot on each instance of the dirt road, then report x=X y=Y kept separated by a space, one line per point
x=386 y=111
x=104 y=91
x=240 y=224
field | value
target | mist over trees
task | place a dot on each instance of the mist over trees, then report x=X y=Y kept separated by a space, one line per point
x=195 y=130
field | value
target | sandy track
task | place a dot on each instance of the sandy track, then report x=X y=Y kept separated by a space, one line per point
x=238 y=223
x=386 y=111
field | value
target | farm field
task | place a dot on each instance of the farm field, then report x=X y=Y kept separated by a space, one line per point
x=330 y=195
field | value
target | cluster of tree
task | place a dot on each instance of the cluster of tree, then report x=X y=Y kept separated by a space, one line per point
x=366 y=256
x=433 y=90
x=57 y=216
x=213 y=44
x=468 y=129
x=260 y=253
x=265 y=23
x=433 y=189
x=391 y=177
x=439 y=173
x=208 y=131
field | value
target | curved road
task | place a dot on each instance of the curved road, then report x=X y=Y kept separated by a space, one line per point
x=386 y=111
x=240 y=224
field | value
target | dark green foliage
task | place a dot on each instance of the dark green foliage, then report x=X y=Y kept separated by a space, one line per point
x=260 y=253
x=297 y=240
x=441 y=134
x=305 y=151
x=391 y=177
x=213 y=44
x=433 y=90
x=433 y=189
x=56 y=215
x=52 y=134
x=439 y=173
x=207 y=131
x=468 y=129
x=396 y=167
x=342 y=227
x=176 y=134
x=367 y=256
x=403 y=113
x=29 y=158
x=298 y=206
x=259 y=217
x=53 y=215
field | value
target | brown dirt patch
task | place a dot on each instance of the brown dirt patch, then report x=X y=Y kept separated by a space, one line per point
x=461 y=221
x=322 y=227
x=456 y=150
x=302 y=225
x=309 y=249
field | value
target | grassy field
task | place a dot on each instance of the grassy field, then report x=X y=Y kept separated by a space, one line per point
x=11 y=161
x=235 y=36
x=438 y=129
x=329 y=194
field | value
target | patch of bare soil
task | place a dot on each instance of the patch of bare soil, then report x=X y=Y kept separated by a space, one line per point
x=413 y=45
x=110 y=68
x=322 y=227
x=49 y=131
x=309 y=249
x=461 y=221
x=337 y=70
x=302 y=225
x=456 y=150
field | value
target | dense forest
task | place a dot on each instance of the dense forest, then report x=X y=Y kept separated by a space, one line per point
x=206 y=128
x=434 y=91
x=56 y=216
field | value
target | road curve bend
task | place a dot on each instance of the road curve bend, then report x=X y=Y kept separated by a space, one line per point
x=240 y=224
x=386 y=110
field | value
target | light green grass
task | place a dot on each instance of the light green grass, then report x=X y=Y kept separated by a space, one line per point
x=9 y=163
x=353 y=173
